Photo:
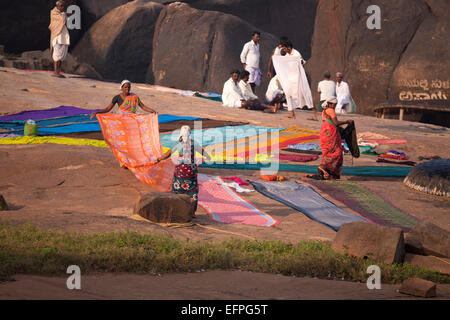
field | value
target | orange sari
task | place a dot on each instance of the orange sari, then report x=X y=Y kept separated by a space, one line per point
x=135 y=141
x=129 y=105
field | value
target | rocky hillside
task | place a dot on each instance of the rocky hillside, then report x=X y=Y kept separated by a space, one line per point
x=193 y=44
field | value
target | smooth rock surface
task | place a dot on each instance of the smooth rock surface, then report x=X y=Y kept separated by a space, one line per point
x=196 y=49
x=380 y=64
x=119 y=45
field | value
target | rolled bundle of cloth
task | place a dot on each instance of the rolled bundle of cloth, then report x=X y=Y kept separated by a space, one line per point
x=392 y=154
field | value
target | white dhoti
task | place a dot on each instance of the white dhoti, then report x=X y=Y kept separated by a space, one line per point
x=293 y=80
x=255 y=75
x=292 y=103
x=342 y=109
x=60 y=52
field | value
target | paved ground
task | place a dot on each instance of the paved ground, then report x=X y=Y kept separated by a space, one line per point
x=210 y=285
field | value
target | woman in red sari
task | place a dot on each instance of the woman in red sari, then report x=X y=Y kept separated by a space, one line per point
x=330 y=142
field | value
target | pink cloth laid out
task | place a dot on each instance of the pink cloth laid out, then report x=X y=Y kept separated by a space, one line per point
x=224 y=205
x=297 y=158
x=390 y=141
x=237 y=180
x=134 y=140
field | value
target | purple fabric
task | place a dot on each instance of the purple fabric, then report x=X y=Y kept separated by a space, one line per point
x=297 y=158
x=61 y=111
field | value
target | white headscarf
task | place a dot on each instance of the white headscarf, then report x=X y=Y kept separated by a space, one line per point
x=329 y=100
x=124 y=82
x=185 y=137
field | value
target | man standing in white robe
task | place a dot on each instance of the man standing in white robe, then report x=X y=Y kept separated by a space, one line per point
x=343 y=95
x=275 y=52
x=292 y=76
x=59 y=37
x=250 y=59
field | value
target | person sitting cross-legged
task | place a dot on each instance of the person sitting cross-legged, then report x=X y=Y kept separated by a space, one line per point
x=252 y=99
x=232 y=95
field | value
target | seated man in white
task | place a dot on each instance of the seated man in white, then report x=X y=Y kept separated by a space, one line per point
x=252 y=99
x=343 y=95
x=275 y=94
x=232 y=95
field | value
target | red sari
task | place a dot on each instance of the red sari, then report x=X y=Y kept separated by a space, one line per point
x=331 y=144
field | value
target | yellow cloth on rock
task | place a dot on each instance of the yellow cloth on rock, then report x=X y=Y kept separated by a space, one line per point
x=57 y=140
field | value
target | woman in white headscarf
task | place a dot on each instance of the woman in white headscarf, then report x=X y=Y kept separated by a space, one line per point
x=184 y=156
x=126 y=100
x=330 y=142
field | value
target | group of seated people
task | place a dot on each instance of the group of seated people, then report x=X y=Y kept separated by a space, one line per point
x=237 y=93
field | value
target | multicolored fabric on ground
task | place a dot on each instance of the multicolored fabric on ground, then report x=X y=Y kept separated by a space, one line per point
x=304 y=146
x=72 y=123
x=263 y=143
x=134 y=140
x=55 y=140
x=367 y=203
x=35 y=115
x=225 y=205
x=304 y=199
x=219 y=135
x=392 y=141
x=208 y=95
x=297 y=157
x=381 y=171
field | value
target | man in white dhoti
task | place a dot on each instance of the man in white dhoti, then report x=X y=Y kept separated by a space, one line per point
x=232 y=95
x=293 y=79
x=252 y=99
x=250 y=59
x=277 y=52
x=275 y=94
x=59 y=37
x=343 y=95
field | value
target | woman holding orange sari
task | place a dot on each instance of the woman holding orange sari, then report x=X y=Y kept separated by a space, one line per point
x=331 y=143
x=127 y=101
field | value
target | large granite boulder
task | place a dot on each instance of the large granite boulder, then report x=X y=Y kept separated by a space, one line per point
x=24 y=24
x=119 y=45
x=428 y=239
x=291 y=18
x=376 y=62
x=195 y=49
x=441 y=265
x=367 y=240
x=418 y=287
x=165 y=207
x=422 y=72
x=98 y=8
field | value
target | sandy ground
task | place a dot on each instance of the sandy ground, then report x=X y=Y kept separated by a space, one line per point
x=210 y=285
x=81 y=188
